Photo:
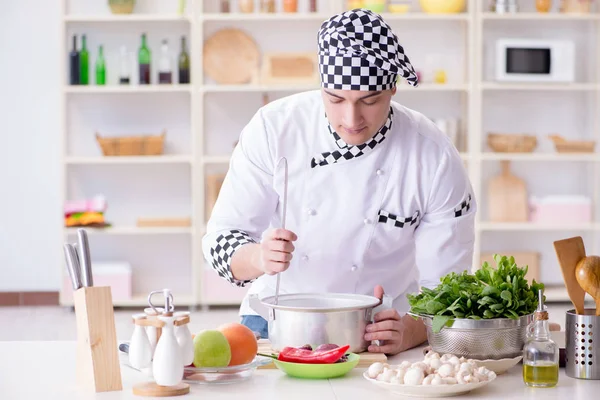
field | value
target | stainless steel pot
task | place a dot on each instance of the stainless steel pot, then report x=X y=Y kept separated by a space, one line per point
x=310 y=318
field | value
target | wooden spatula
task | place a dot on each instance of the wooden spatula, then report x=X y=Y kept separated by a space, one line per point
x=569 y=252
x=587 y=273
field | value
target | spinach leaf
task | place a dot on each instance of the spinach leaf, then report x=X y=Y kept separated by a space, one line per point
x=502 y=291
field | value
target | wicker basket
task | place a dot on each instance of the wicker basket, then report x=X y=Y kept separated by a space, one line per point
x=121 y=6
x=147 y=145
x=511 y=143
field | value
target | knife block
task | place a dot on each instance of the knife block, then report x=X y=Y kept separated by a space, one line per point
x=98 y=366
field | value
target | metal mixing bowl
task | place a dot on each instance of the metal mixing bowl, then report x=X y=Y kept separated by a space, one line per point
x=484 y=339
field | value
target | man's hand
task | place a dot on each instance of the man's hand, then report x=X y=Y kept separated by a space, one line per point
x=275 y=252
x=394 y=332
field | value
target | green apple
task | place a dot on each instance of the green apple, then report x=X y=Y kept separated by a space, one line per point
x=211 y=349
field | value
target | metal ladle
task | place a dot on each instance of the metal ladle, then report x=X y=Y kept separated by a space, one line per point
x=284 y=210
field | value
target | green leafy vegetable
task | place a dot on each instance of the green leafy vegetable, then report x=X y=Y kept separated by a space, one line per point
x=501 y=292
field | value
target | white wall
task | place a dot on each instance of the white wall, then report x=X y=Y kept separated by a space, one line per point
x=29 y=153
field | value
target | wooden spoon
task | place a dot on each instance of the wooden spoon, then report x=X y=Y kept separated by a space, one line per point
x=588 y=276
x=569 y=252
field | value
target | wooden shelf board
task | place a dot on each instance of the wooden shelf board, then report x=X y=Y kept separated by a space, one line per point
x=583 y=157
x=133 y=230
x=127 y=18
x=166 y=159
x=117 y=89
x=526 y=226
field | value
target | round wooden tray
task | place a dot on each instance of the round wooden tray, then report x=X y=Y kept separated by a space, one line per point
x=231 y=57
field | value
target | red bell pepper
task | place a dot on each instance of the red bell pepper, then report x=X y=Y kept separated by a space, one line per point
x=292 y=354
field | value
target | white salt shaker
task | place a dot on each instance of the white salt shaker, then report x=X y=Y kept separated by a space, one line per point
x=167 y=366
x=151 y=330
x=140 y=350
x=184 y=338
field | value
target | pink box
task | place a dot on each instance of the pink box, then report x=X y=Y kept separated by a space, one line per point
x=116 y=275
x=215 y=290
x=566 y=210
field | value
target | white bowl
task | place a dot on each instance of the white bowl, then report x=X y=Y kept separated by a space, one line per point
x=499 y=366
x=427 y=390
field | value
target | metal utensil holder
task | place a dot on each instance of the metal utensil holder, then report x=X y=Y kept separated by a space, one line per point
x=582 y=345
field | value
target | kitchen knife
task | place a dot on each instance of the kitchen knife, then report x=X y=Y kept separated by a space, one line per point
x=72 y=265
x=85 y=258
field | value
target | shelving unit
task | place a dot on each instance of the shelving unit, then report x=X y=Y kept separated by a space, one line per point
x=205 y=128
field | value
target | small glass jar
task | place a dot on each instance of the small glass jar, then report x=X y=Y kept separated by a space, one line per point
x=540 y=353
x=267 y=6
x=543 y=6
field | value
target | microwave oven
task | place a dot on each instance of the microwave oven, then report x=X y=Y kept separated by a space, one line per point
x=535 y=60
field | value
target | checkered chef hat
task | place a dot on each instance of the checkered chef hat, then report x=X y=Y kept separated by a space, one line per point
x=359 y=51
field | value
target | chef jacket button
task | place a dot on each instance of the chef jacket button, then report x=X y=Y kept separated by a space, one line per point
x=354 y=268
x=310 y=211
x=379 y=172
x=367 y=221
x=305 y=258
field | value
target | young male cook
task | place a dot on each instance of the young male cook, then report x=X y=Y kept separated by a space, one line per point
x=378 y=198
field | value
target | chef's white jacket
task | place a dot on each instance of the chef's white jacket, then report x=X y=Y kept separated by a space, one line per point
x=400 y=214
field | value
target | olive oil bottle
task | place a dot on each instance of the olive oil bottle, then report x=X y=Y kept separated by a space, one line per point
x=540 y=353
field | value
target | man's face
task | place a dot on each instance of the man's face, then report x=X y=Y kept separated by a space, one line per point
x=356 y=116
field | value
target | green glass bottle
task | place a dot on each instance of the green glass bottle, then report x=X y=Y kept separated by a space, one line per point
x=84 y=68
x=184 y=63
x=100 y=68
x=144 y=62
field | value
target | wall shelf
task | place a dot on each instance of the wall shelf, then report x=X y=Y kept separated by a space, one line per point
x=166 y=159
x=133 y=230
x=115 y=89
x=126 y=18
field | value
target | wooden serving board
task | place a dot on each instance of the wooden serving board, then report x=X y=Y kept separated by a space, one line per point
x=366 y=358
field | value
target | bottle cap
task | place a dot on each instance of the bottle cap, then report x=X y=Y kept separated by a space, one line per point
x=541 y=314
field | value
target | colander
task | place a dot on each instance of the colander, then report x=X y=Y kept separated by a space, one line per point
x=484 y=339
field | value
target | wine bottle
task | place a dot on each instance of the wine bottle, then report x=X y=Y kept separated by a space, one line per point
x=184 y=63
x=100 y=68
x=84 y=68
x=144 y=62
x=124 y=72
x=165 y=72
x=74 y=63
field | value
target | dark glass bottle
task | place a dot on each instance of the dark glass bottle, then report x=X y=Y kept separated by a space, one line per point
x=144 y=57
x=84 y=69
x=184 y=63
x=74 y=63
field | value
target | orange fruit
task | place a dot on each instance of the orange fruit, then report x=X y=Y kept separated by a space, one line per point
x=242 y=341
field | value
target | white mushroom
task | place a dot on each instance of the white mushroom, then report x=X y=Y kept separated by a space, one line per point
x=466 y=367
x=460 y=377
x=437 y=380
x=414 y=376
x=446 y=370
x=446 y=357
x=374 y=370
x=405 y=364
x=400 y=375
x=450 y=380
x=454 y=360
x=420 y=365
x=471 y=379
x=435 y=363
x=395 y=380
x=432 y=354
x=386 y=375
x=428 y=379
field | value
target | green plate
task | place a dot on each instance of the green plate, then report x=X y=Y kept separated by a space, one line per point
x=318 y=371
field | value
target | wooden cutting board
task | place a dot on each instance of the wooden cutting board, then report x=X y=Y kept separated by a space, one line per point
x=366 y=358
x=507 y=196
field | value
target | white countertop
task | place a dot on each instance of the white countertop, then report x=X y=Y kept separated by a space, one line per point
x=46 y=370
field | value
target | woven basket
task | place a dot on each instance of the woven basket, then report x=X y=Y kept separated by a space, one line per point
x=147 y=145
x=511 y=143
x=121 y=6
